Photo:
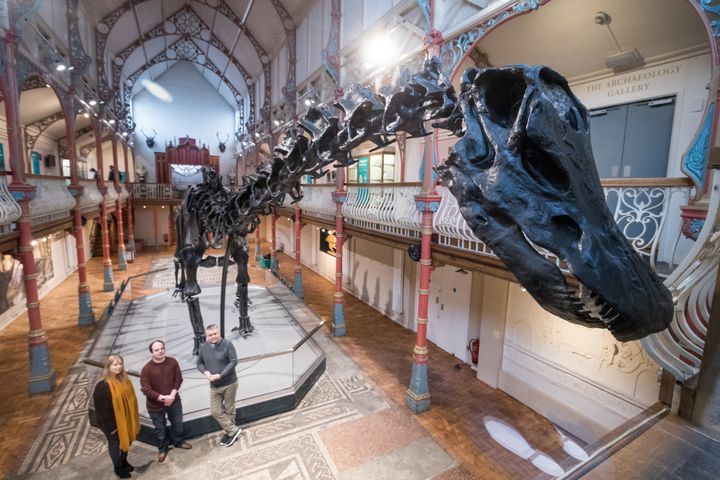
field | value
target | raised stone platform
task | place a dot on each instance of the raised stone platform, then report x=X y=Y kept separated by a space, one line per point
x=272 y=377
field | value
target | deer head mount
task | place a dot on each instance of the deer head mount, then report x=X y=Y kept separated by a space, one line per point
x=149 y=141
x=222 y=144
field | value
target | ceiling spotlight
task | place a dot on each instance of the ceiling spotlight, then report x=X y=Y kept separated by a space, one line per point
x=308 y=102
x=60 y=67
x=257 y=134
x=86 y=115
x=112 y=121
x=276 y=122
x=92 y=102
x=124 y=134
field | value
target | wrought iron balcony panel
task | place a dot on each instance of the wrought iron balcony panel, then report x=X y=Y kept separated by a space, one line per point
x=52 y=199
x=91 y=197
x=9 y=209
x=641 y=211
x=154 y=192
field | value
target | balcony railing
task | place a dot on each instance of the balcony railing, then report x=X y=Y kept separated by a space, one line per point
x=388 y=208
x=317 y=201
x=9 y=209
x=640 y=208
x=52 y=199
x=91 y=197
x=154 y=192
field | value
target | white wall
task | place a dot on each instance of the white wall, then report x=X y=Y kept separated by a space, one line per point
x=581 y=378
x=152 y=224
x=197 y=110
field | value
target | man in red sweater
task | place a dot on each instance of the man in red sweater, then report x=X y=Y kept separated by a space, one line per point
x=160 y=380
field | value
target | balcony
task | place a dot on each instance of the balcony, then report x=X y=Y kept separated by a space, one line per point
x=155 y=193
x=10 y=211
x=640 y=208
x=52 y=200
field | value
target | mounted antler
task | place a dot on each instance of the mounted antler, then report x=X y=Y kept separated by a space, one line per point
x=149 y=141
x=222 y=144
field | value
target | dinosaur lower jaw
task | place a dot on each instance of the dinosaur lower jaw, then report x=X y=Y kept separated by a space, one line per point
x=596 y=309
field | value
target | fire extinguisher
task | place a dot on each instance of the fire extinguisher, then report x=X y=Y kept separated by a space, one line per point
x=474 y=347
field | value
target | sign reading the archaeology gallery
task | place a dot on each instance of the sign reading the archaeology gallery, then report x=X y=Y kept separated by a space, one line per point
x=632 y=82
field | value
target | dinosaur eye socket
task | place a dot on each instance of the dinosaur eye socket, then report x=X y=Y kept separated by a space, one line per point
x=502 y=94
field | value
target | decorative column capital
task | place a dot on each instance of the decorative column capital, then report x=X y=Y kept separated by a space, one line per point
x=76 y=190
x=428 y=202
x=339 y=196
x=22 y=192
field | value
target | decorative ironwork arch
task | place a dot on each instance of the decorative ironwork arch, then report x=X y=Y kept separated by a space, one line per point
x=106 y=25
x=187 y=49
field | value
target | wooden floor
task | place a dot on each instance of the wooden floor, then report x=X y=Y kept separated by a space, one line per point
x=383 y=349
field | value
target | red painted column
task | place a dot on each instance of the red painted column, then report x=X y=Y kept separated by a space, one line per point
x=108 y=285
x=42 y=374
x=273 y=238
x=338 y=324
x=298 y=286
x=122 y=262
x=131 y=229
x=258 y=249
x=86 y=315
x=418 y=393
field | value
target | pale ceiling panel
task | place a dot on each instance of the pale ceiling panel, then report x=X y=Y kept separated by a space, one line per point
x=233 y=75
x=217 y=57
x=134 y=61
x=265 y=24
x=56 y=130
x=148 y=15
x=37 y=104
x=212 y=79
x=246 y=55
x=158 y=69
x=654 y=28
x=225 y=30
x=124 y=32
x=205 y=13
x=155 y=46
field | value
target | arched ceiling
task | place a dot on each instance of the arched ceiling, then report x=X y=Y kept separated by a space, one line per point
x=230 y=42
x=563 y=34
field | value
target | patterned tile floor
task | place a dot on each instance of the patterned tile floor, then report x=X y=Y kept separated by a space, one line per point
x=352 y=425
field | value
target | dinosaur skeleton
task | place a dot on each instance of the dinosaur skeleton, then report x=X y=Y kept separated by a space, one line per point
x=522 y=171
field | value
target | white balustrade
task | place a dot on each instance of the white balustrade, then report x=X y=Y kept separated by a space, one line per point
x=317 y=201
x=111 y=195
x=10 y=211
x=679 y=349
x=123 y=193
x=91 y=197
x=52 y=199
x=386 y=208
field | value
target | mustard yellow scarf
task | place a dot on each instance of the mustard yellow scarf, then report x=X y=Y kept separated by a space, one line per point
x=125 y=406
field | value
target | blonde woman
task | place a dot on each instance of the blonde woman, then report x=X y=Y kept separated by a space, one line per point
x=117 y=412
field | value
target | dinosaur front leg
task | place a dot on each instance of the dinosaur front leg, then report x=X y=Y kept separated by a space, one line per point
x=240 y=256
x=196 y=321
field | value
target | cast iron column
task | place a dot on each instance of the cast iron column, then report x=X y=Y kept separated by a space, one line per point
x=273 y=237
x=338 y=324
x=122 y=262
x=298 y=288
x=258 y=249
x=418 y=393
x=42 y=374
x=108 y=285
x=131 y=229
x=86 y=315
